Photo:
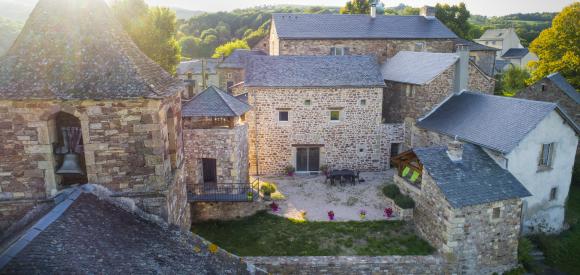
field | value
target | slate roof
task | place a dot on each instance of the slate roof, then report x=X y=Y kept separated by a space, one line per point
x=495 y=34
x=195 y=66
x=214 y=102
x=476 y=179
x=417 y=67
x=515 y=53
x=358 y=26
x=76 y=49
x=93 y=236
x=500 y=65
x=313 y=71
x=494 y=122
x=239 y=58
x=563 y=84
x=473 y=46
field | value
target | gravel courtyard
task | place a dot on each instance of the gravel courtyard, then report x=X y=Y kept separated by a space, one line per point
x=311 y=194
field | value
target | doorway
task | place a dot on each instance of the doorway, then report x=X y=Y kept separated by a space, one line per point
x=395 y=150
x=209 y=172
x=307 y=159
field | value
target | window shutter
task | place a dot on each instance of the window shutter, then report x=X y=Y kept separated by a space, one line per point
x=332 y=50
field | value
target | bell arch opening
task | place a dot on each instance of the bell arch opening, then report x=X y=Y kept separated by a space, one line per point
x=68 y=149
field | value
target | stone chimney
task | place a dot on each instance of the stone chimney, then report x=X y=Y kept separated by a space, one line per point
x=461 y=69
x=455 y=150
x=373 y=8
x=427 y=12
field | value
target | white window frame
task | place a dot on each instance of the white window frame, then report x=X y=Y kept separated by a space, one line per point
x=493 y=211
x=420 y=46
x=363 y=102
x=229 y=76
x=339 y=51
x=339 y=116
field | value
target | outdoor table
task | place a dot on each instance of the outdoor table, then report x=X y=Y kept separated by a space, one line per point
x=345 y=173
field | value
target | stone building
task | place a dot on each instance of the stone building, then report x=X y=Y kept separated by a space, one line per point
x=481 y=55
x=535 y=141
x=87 y=97
x=310 y=111
x=232 y=70
x=191 y=72
x=412 y=91
x=380 y=35
x=519 y=57
x=467 y=206
x=555 y=88
x=509 y=47
x=215 y=140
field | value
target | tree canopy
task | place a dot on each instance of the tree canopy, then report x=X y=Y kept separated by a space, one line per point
x=356 y=7
x=455 y=18
x=152 y=29
x=558 y=47
x=513 y=80
x=228 y=48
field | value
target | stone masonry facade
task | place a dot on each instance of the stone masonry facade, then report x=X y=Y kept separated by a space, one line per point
x=127 y=148
x=354 y=142
x=471 y=239
x=229 y=75
x=552 y=93
x=228 y=146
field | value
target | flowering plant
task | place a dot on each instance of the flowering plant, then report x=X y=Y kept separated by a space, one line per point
x=331 y=215
x=362 y=213
x=303 y=213
x=388 y=212
x=274 y=207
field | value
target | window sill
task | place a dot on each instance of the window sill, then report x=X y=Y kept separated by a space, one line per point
x=543 y=169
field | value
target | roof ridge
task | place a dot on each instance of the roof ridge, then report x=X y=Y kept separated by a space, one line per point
x=219 y=92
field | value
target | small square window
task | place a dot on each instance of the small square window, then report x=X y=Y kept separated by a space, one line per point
x=307 y=102
x=229 y=75
x=363 y=102
x=496 y=213
x=553 y=193
x=419 y=46
x=335 y=115
x=283 y=116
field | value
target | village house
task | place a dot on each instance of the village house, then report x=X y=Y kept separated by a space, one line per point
x=509 y=46
x=481 y=55
x=87 y=106
x=467 y=206
x=555 y=88
x=310 y=111
x=535 y=141
x=231 y=70
x=358 y=34
x=412 y=90
x=192 y=72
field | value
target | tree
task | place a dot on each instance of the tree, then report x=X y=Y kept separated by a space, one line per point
x=455 y=18
x=558 y=47
x=408 y=10
x=152 y=29
x=228 y=48
x=513 y=80
x=356 y=7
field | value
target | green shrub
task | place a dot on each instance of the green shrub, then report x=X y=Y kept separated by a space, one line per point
x=516 y=271
x=391 y=191
x=404 y=202
x=524 y=254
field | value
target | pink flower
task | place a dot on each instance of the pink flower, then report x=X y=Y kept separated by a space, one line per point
x=388 y=212
x=274 y=207
x=331 y=215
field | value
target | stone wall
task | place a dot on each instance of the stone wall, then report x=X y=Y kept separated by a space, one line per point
x=13 y=211
x=392 y=133
x=226 y=75
x=128 y=146
x=552 y=93
x=479 y=81
x=263 y=45
x=354 y=142
x=229 y=146
x=485 y=60
x=381 y=48
x=471 y=239
x=349 y=265
x=224 y=211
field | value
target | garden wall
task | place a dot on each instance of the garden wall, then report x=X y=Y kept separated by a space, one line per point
x=348 y=265
x=205 y=211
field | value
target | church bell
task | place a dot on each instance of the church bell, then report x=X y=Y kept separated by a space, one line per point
x=70 y=165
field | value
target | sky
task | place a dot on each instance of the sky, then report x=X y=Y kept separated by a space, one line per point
x=480 y=7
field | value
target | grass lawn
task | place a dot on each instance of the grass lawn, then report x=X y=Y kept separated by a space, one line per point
x=267 y=235
x=562 y=250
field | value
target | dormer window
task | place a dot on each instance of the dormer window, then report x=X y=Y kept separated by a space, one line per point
x=339 y=51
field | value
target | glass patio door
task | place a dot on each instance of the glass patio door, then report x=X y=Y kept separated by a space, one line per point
x=307 y=159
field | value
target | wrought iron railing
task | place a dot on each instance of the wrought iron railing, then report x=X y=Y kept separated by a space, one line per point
x=224 y=192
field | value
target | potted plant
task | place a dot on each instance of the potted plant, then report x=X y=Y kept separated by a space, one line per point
x=303 y=214
x=388 y=212
x=362 y=214
x=274 y=207
x=325 y=169
x=289 y=170
x=331 y=215
x=250 y=196
x=267 y=190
